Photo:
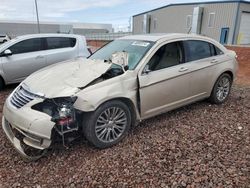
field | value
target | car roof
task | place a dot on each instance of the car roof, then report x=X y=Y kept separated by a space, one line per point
x=47 y=35
x=162 y=36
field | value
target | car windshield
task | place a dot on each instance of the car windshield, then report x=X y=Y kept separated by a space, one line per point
x=136 y=50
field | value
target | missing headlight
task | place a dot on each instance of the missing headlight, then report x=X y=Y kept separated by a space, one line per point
x=62 y=113
x=51 y=106
x=65 y=119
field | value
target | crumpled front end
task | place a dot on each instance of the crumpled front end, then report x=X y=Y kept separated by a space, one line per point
x=42 y=108
x=25 y=126
x=20 y=138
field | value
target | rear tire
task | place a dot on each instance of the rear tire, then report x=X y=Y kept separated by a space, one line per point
x=221 y=90
x=108 y=125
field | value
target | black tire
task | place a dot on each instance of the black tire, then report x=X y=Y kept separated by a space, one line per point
x=1 y=84
x=214 y=98
x=91 y=122
x=4 y=41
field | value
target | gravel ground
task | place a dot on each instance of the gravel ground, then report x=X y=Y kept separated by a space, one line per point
x=201 y=145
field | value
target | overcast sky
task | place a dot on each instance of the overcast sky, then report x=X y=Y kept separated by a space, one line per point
x=116 y=12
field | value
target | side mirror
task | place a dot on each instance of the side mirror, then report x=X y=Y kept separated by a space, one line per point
x=146 y=70
x=7 y=52
x=126 y=67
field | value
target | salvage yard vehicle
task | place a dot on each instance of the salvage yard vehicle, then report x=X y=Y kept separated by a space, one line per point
x=26 y=54
x=4 y=38
x=130 y=79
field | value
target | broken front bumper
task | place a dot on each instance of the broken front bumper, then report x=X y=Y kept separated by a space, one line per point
x=26 y=126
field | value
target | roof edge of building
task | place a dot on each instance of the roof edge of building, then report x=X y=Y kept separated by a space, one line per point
x=193 y=3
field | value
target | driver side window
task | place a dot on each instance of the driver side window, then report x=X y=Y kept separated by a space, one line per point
x=168 y=55
x=26 y=46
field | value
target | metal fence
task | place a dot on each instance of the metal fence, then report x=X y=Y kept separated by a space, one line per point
x=106 y=36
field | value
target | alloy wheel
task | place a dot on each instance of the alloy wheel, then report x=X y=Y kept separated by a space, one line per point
x=223 y=88
x=111 y=124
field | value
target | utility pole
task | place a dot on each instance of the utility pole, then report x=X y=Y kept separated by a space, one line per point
x=129 y=22
x=37 y=17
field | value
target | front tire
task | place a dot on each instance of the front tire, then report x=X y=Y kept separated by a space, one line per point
x=221 y=89
x=108 y=125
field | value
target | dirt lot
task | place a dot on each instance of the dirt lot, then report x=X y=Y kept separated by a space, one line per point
x=201 y=145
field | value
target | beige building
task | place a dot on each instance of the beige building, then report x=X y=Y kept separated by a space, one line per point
x=225 y=21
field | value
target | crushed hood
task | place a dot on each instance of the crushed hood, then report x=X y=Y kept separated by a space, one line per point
x=65 y=79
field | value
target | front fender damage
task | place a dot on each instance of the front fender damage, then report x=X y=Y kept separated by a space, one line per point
x=28 y=128
x=58 y=115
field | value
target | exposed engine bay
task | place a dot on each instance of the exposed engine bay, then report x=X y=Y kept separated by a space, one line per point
x=62 y=113
x=112 y=72
x=67 y=119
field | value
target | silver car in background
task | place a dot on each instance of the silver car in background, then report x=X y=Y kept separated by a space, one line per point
x=126 y=81
x=26 y=54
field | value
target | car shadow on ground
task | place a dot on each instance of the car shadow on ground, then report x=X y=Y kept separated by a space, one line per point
x=9 y=87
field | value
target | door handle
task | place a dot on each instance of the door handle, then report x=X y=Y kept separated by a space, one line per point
x=39 y=57
x=214 y=61
x=183 y=69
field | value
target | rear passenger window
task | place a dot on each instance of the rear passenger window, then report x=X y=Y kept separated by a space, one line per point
x=60 y=42
x=212 y=49
x=196 y=50
x=25 y=46
x=218 y=51
x=215 y=50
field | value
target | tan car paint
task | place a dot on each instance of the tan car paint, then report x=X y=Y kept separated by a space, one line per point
x=157 y=91
x=66 y=77
x=168 y=89
x=123 y=86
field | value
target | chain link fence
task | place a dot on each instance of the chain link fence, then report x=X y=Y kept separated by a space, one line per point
x=106 y=36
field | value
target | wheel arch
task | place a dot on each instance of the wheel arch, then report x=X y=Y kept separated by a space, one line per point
x=90 y=118
x=131 y=107
x=2 y=79
x=230 y=72
x=129 y=103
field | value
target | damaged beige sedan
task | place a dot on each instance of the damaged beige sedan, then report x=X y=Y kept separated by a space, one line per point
x=126 y=81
